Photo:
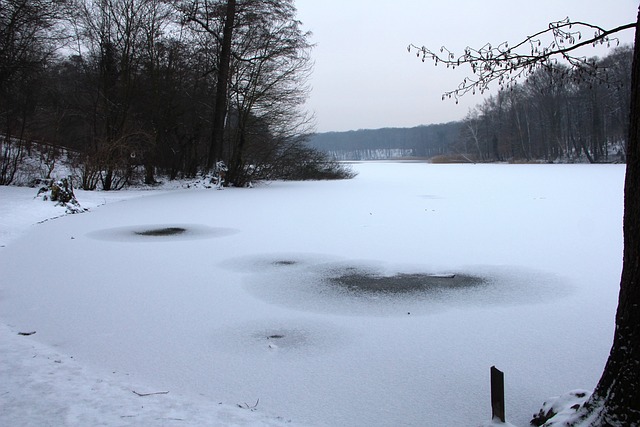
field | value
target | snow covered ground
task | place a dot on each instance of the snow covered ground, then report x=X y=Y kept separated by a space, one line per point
x=282 y=295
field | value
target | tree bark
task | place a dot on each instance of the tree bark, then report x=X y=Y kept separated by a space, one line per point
x=617 y=395
x=220 y=106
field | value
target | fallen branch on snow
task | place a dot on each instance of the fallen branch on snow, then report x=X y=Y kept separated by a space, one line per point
x=149 y=394
x=251 y=408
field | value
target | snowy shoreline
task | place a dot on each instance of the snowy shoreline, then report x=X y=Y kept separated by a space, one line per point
x=43 y=387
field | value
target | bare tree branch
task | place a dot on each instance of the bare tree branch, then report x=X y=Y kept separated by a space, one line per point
x=506 y=64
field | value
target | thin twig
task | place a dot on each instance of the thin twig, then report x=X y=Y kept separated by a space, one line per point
x=505 y=64
x=251 y=408
x=149 y=394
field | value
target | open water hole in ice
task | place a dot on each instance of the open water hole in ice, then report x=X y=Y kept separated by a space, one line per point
x=373 y=288
x=160 y=232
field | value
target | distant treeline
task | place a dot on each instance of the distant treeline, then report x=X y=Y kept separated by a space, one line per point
x=561 y=116
x=375 y=144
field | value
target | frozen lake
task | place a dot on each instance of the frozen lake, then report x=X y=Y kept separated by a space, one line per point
x=382 y=300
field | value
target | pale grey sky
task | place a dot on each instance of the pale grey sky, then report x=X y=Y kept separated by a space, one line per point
x=365 y=78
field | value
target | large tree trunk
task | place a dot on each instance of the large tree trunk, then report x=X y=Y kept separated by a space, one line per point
x=617 y=395
x=220 y=106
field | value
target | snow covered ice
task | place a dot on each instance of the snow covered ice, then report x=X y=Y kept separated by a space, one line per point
x=243 y=296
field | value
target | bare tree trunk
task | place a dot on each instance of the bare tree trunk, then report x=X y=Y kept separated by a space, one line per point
x=220 y=106
x=617 y=395
x=473 y=130
x=525 y=153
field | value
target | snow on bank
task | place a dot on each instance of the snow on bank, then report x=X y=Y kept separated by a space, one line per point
x=41 y=387
x=243 y=304
x=20 y=208
x=44 y=387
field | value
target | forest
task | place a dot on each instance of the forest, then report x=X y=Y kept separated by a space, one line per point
x=555 y=115
x=131 y=90
x=375 y=144
x=134 y=89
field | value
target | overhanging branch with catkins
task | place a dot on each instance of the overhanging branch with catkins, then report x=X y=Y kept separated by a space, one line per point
x=553 y=48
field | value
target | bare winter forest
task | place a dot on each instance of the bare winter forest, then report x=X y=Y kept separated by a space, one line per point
x=159 y=86
x=134 y=89
x=546 y=118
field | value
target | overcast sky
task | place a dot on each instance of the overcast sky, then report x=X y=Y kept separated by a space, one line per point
x=365 y=78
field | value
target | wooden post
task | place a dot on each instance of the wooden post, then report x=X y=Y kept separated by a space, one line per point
x=497 y=394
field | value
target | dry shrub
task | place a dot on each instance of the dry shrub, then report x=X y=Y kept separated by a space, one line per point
x=451 y=158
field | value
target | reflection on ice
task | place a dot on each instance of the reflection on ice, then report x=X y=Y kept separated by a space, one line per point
x=373 y=289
